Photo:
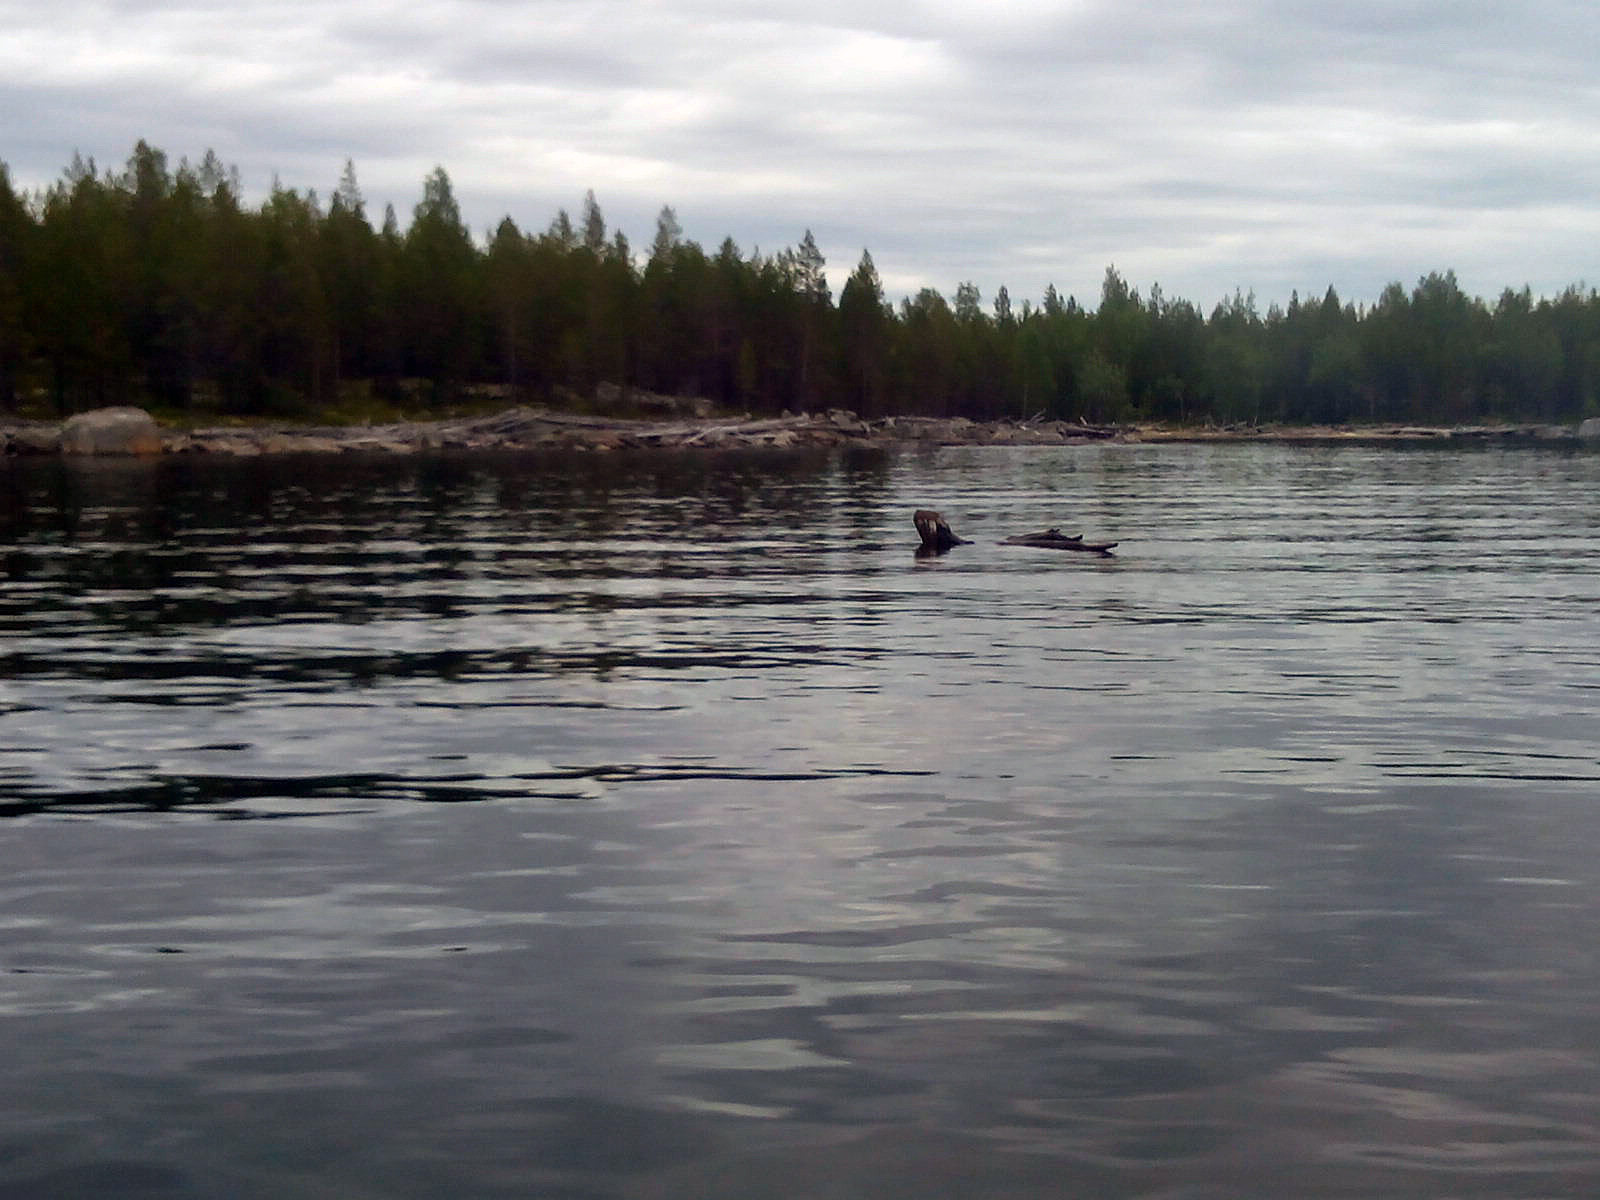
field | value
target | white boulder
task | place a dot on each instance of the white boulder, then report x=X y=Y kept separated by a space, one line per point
x=121 y=430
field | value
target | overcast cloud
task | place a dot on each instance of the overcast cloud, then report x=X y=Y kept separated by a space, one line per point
x=1242 y=144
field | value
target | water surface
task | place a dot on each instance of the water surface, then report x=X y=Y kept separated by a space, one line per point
x=664 y=827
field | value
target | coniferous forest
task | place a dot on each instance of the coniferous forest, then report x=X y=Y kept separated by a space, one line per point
x=159 y=286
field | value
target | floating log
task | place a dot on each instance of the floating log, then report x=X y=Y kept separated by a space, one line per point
x=1054 y=539
x=935 y=532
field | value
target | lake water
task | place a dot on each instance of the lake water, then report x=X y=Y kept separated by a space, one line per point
x=663 y=827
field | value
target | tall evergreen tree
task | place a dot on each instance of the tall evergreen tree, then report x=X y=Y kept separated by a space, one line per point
x=507 y=269
x=348 y=263
x=809 y=284
x=16 y=236
x=863 y=334
x=439 y=278
x=594 y=226
x=668 y=235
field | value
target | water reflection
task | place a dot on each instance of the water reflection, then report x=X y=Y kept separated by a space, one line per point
x=661 y=826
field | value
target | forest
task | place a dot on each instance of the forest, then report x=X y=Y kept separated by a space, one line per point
x=159 y=286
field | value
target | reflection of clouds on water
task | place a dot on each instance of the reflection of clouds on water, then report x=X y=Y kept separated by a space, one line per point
x=601 y=818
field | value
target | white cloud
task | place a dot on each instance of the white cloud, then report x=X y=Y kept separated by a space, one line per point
x=1240 y=144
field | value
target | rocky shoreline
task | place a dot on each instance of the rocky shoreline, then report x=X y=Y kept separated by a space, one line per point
x=133 y=431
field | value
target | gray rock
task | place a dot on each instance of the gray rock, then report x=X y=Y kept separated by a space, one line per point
x=1590 y=429
x=123 y=430
x=33 y=439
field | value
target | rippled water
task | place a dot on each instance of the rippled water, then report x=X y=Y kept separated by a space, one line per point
x=664 y=827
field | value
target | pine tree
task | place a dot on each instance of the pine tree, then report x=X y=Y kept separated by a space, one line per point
x=594 y=226
x=439 y=282
x=16 y=234
x=668 y=234
x=863 y=333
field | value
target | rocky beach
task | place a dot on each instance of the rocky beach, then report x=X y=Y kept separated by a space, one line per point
x=127 y=430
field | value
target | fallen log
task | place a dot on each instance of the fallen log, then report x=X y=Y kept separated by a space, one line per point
x=935 y=532
x=1054 y=539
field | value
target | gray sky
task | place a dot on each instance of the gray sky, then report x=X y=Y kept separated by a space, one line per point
x=1246 y=144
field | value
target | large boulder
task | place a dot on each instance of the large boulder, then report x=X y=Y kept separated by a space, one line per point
x=1590 y=430
x=33 y=437
x=121 y=430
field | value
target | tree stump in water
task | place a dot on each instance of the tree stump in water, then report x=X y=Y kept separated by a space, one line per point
x=936 y=535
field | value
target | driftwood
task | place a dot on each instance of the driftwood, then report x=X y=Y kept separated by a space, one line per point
x=1054 y=539
x=937 y=537
x=935 y=532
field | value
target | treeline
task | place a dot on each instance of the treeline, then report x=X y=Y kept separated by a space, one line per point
x=159 y=286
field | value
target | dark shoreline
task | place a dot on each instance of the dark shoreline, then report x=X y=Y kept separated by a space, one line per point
x=542 y=429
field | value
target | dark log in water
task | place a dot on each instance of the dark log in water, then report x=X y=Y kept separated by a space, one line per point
x=935 y=532
x=1054 y=539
